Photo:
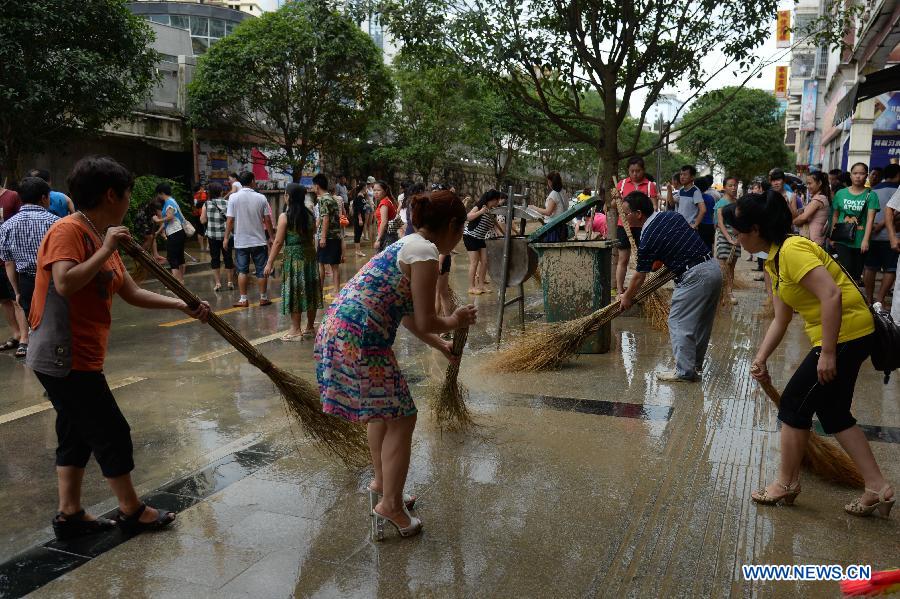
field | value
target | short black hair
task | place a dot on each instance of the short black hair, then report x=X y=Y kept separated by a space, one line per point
x=835 y=171
x=246 y=178
x=40 y=173
x=163 y=187
x=321 y=180
x=215 y=190
x=729 y=178
x=93 y=176
x=891 y=171
x=689 y=168
x=638 y=201
x=704 y=183
x=32 y=189
x=233 y=175
x=775 y=174
x=636 y=160
x=768 y=212
x=876 y=168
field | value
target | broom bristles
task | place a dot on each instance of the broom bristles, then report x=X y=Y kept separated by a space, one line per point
x=345 y=440
x=822 y=457
x=552 y=344
x=448 y=401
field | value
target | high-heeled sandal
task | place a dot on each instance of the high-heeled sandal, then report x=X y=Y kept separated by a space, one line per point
x=414 y=528
x=408 y=500
x=883 y=506
x=763 y=497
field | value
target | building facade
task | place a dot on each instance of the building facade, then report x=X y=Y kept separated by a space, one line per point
x=205 y=22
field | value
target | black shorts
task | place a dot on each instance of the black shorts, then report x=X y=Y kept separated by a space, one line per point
x=88 y=420
x=6 y=291
x=218 y=254
x=446 y=263
x=473 y=244
x=880 y=257
x=622 y=236
x=26 y=291
x=804 y=396
x=175 y=249
x=331 y=253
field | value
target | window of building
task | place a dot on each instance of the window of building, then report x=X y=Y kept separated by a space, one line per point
x=803 y=64
x=180 y=21
x=216 y=28
x=162 y=19
x=200 y=45
x=200 y=26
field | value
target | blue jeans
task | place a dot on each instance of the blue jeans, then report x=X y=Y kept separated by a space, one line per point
x=259 y=254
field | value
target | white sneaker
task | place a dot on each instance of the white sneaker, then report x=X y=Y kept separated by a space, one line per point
x=670 y=376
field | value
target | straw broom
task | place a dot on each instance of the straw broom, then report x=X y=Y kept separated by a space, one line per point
x=822 y=457
x=551 y=345
x=449 y=400
x=345 y=440
x=655 y=308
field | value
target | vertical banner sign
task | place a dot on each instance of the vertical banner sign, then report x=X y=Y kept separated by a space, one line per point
x=781 y=82
x=808 y=105
x=783 y=29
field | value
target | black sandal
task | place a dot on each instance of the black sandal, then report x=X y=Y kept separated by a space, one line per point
x=70 y=526
x=22 y=350
x=11 y=343
x=131 y=523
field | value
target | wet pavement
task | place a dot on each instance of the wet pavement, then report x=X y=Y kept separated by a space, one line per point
x=592 y=481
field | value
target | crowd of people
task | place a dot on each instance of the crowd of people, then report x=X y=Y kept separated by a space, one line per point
x=820 y=244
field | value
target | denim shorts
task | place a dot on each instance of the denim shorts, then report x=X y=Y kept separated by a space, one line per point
x=259 y=254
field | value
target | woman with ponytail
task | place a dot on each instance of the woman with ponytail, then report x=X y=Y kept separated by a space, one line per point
x=805 y=279
x=357 y=371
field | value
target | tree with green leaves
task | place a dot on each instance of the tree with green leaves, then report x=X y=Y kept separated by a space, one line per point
x=303 y=78
x=549 y=54
x=746 y=137
x=67 y=69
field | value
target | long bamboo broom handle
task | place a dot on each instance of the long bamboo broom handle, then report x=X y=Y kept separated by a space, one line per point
x=193 y=301
x=650 y=286
x=617 y=198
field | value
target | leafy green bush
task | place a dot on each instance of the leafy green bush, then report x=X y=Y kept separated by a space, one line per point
x=145 y=191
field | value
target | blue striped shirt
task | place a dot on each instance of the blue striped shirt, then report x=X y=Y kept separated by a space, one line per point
x=668 y=238
x=21 y=236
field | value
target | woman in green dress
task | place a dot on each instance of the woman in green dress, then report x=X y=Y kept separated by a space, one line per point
x=301 y=290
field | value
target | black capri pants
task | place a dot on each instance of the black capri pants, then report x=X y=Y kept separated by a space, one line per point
x=88 y=420
x=804 y=396
x=175 y=249
x=357 y=228
x=218 y=254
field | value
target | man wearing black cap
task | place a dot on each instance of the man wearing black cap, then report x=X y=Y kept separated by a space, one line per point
x=668 y=238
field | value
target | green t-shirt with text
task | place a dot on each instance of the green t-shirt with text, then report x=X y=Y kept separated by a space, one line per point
x=854 y=208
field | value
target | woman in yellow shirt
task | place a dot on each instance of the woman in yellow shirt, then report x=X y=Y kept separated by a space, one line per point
x=839 y=325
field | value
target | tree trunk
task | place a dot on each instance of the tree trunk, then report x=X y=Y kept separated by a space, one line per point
x=9 y=173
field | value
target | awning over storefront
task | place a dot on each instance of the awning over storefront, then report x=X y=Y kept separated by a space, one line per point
x=879 y=82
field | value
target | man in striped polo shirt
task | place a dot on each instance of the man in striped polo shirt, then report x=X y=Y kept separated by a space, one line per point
x=666 y=237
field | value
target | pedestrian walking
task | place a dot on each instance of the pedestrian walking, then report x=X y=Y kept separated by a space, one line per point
x=635 y=181
x=853 y=214
x=880 y=257
x=15 y=317
x=839 y=326
x=666 y=237
x=201 y=196
x=370 y=209
x=728 y=251
x=892 y=223
x=557 y=203
x=213 y=214
x=356 y=368
x=249 y=217
x=689 y=200
x=814 y=218
x=707 y=228
x=358 y=216
x=330 y=252
x=78 y=273
x=481 y=223
x=234 y=185
x=20 y=237
x=173 y=222
x=60 y=204
x=301 y=289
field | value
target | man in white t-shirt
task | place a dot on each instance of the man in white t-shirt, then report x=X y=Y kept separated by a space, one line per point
x=249 y=217
x=235 y=185
x=892 y=223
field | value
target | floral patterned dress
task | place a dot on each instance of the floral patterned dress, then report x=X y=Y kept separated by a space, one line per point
x=300 y=286
x=357 y=371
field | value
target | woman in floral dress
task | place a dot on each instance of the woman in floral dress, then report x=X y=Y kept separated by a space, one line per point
x=301 y=290
x=356 y=368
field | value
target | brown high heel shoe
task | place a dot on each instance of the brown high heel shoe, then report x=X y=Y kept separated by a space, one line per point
x=858 y=508
x=763 y=497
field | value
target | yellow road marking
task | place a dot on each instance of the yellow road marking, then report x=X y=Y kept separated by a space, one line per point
x=175 y=323
x=46 y=405
x=230 y=350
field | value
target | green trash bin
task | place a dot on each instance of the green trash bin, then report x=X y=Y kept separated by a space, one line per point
x=576 y=277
